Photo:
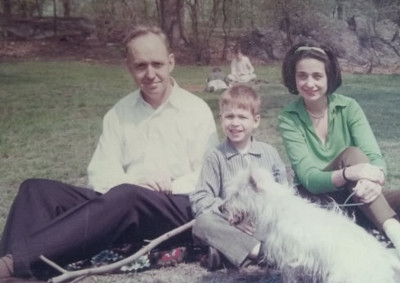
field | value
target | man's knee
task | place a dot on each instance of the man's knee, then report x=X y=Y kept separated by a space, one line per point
x=34 y=186
x=125 y=193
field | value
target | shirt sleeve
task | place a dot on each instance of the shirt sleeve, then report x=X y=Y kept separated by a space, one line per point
x=363 y=135
x=105 y=169
x=200 y=142
x=206 y=196
x=309 y=175
x=278 y=169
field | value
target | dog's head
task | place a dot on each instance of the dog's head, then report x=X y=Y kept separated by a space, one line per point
x=242 y=194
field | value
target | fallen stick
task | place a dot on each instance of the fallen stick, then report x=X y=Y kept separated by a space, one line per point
x=69 y=275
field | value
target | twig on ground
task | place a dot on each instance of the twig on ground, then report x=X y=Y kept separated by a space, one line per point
x=69 y=275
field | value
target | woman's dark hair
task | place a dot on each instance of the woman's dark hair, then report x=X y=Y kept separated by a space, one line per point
x=321 y=53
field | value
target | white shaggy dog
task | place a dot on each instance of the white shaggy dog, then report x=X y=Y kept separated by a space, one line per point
x=306 y=242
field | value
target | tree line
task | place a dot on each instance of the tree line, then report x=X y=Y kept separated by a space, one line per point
x=202 y=26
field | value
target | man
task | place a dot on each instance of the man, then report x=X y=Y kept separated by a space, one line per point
x=147 y=160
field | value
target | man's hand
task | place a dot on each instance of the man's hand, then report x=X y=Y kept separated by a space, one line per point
x=367 y=191
x=157 y=182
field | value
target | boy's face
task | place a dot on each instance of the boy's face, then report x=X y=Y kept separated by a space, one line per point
x=238 y=125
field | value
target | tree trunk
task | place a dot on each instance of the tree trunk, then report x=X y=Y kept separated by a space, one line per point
x=39 y=7
x=171 y=12
x=226 y=26
x=55 y=17
x=67 y=8
x=7 y=9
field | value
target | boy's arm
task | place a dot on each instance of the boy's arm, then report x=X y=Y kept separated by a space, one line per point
x=279 y=168
x=206 y=196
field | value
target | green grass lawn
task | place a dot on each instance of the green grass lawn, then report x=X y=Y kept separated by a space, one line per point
x=51 y=115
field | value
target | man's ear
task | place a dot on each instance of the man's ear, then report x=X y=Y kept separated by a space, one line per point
x=128 y=64
x=171 y=59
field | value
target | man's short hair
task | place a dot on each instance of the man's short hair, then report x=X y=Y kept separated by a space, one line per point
x=141 y=30
x=314 y=51
x=241 y=96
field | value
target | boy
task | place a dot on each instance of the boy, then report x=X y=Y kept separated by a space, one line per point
x=240 y=116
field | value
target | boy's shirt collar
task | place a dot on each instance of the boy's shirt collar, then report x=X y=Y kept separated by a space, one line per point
x=230 y=150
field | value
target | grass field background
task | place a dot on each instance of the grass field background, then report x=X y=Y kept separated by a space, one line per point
x=51 y=115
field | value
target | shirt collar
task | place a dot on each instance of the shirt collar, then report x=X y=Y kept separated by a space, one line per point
x=229 y=150
x=174 y=99
x=334 y=101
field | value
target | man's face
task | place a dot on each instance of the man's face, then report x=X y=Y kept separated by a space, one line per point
x=151 y=65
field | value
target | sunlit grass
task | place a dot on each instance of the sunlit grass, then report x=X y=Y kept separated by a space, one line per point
x=51 y=115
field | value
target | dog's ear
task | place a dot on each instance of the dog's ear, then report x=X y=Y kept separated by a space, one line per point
x=253 y=180
x=253 y=183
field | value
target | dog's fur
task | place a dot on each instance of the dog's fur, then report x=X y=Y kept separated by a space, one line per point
x=306 y=242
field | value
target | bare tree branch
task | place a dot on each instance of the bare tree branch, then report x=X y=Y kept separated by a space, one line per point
x=69 y=275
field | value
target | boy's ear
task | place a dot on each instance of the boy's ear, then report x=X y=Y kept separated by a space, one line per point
x=257 y=120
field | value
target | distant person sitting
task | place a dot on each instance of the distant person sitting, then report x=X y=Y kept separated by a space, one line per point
x=216 y=80
x=242 y=71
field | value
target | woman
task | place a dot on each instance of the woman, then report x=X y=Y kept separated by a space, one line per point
x=242 y=71
x=329 y=141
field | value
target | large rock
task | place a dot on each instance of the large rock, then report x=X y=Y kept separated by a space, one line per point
x=357 y=41
x=387 y=30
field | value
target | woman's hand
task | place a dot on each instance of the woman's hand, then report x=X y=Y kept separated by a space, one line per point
x=365 y=171
x=367 y=191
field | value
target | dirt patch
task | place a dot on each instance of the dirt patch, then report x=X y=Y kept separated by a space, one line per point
x=51 y=49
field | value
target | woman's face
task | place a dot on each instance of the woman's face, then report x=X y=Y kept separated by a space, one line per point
x=311 y=79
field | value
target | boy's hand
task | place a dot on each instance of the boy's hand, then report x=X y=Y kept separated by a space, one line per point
x=246 y=227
